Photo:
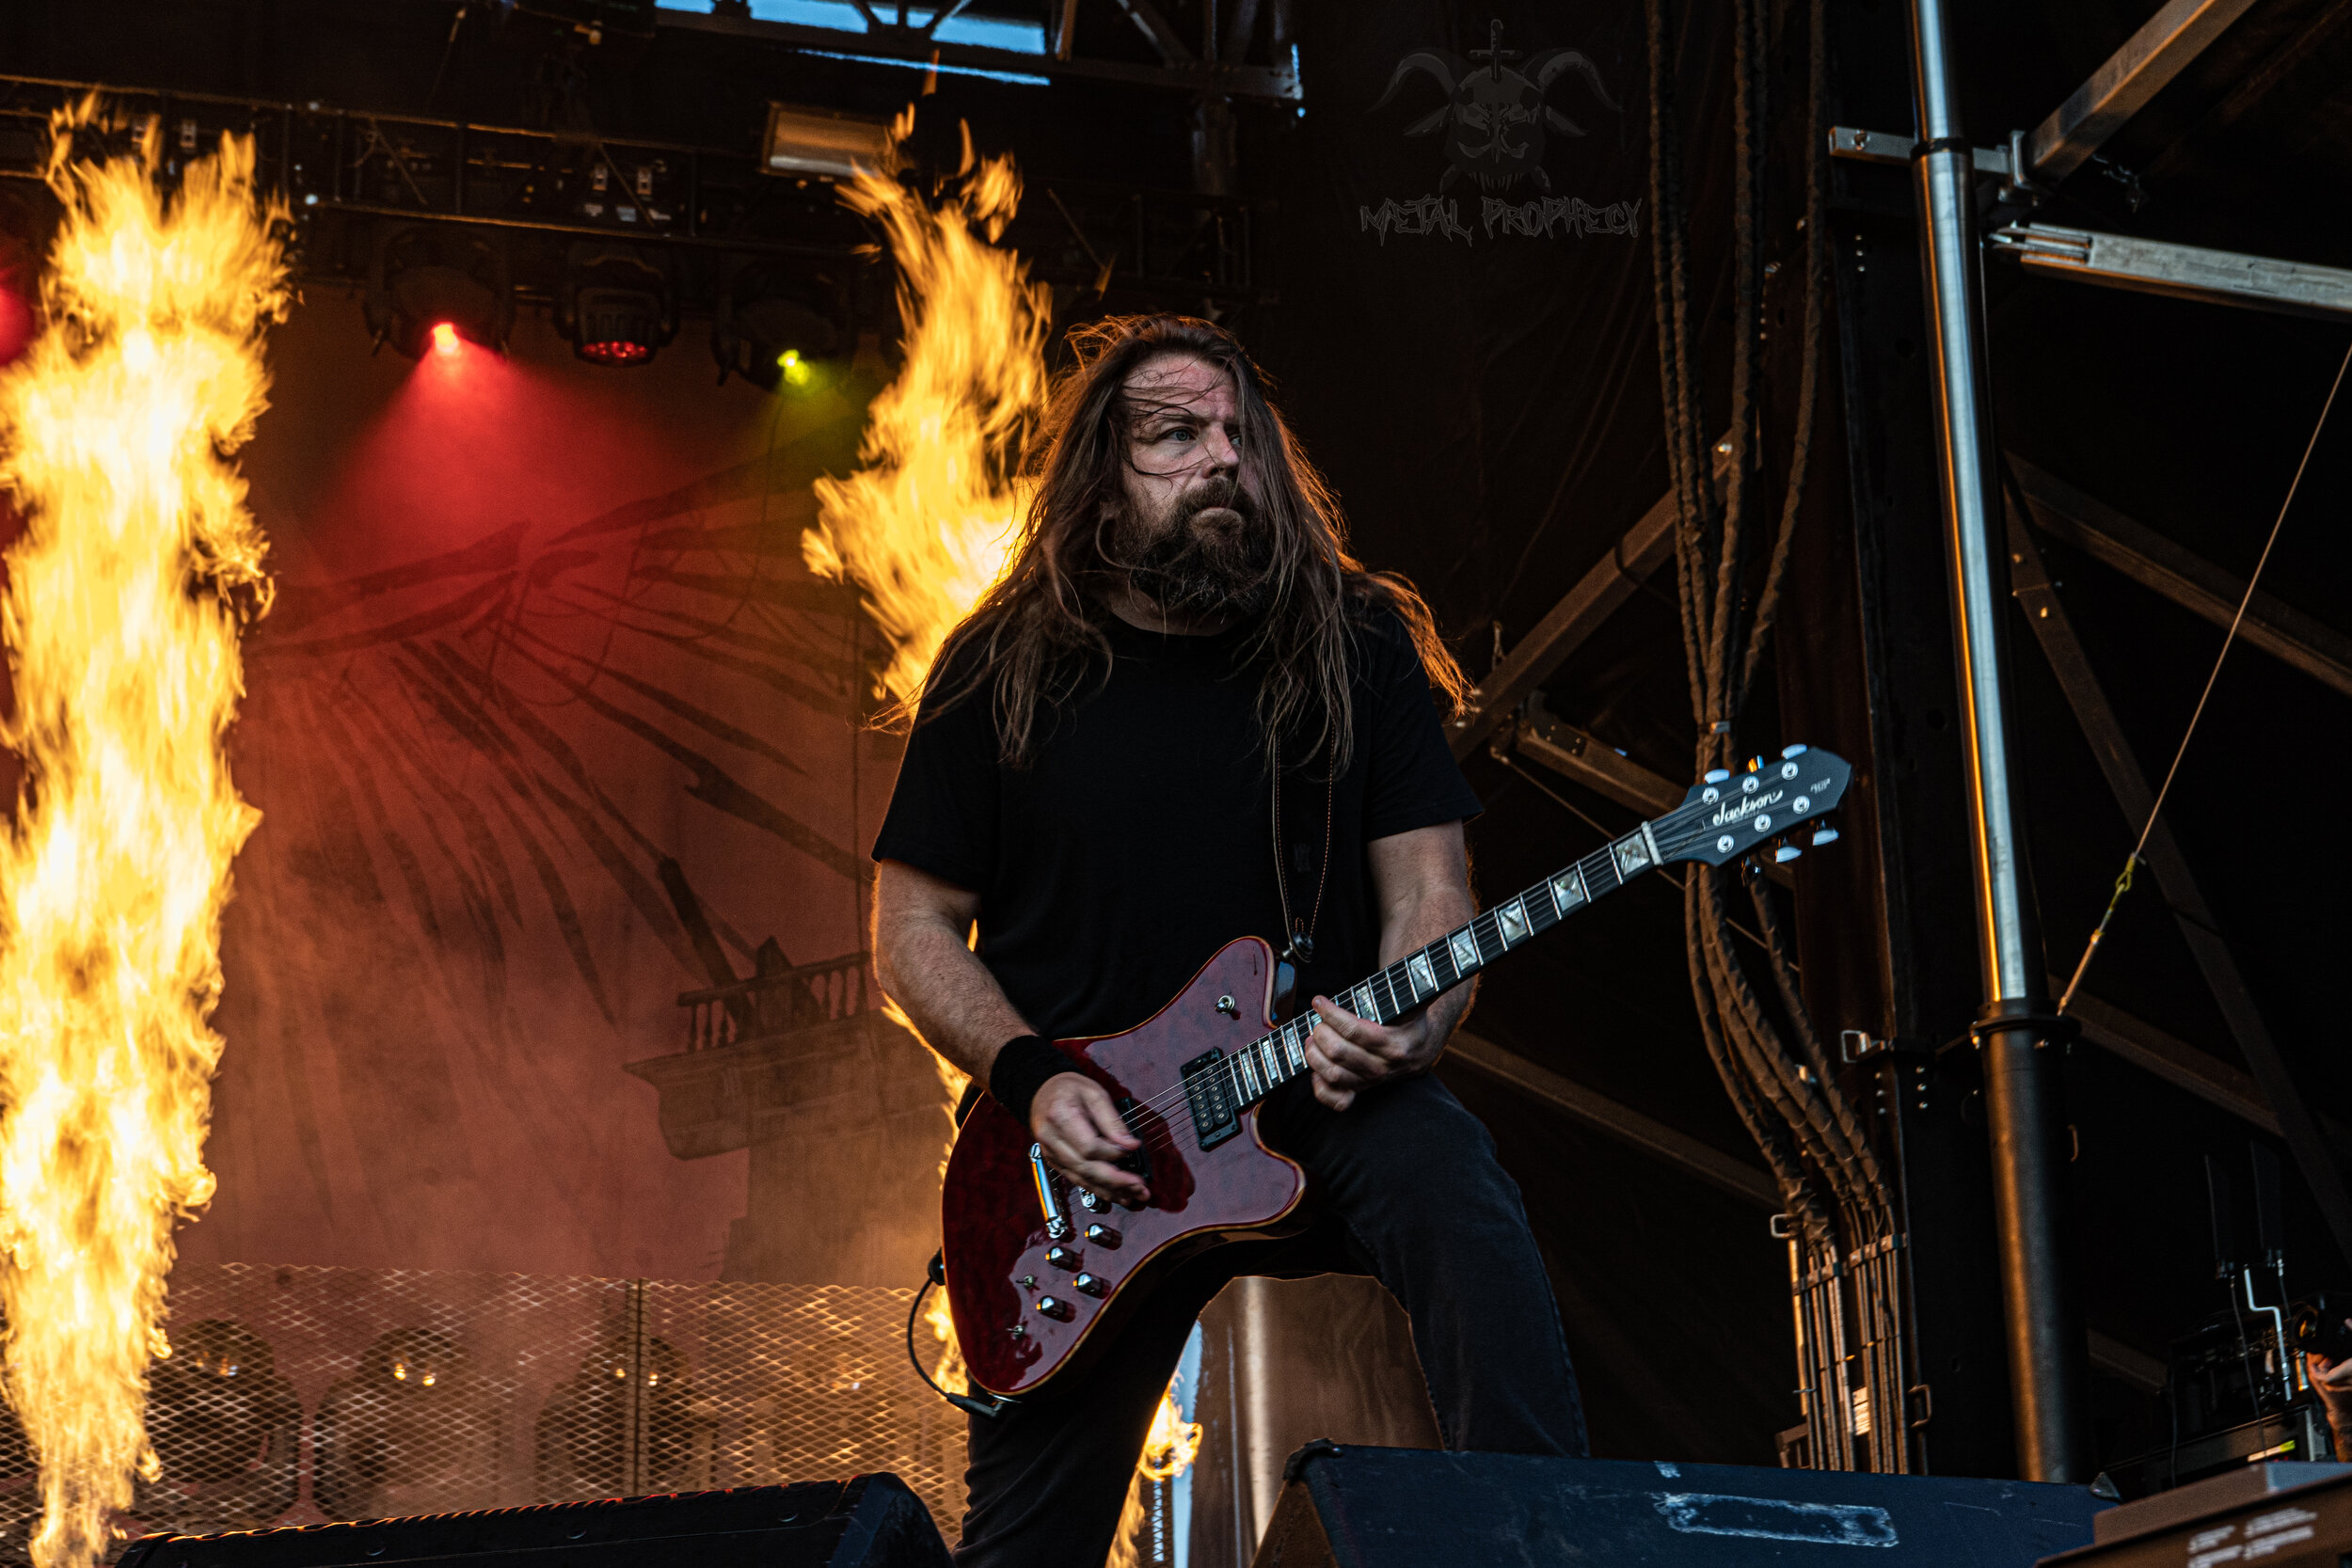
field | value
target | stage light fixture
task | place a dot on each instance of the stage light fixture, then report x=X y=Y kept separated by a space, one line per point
x=822 y=143
x=445 y=339
x=617 y=304
x=772 y=325
x=425 y=280
x=22 y=242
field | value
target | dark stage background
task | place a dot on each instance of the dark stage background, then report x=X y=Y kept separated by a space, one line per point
x=542 y=626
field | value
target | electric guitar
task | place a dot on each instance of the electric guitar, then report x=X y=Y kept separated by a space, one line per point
x=1041 y=1271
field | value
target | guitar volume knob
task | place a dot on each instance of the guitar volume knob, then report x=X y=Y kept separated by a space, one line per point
x=1088 y=1283
x=1101 y=1235
x=1093 y=1203
x=1053 y=1307
x=1061 y=1257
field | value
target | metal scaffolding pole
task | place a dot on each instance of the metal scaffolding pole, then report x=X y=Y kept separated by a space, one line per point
x=2043 y=1333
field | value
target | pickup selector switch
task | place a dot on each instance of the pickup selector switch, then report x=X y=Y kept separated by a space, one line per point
x=1061 y=1257
x=1088 y=1284
x=1101 y=1235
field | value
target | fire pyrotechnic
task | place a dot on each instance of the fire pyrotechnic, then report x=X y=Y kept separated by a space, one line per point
x=927 y=524
x=137 y=564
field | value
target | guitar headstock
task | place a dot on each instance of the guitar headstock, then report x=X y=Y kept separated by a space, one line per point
x=1756 y=811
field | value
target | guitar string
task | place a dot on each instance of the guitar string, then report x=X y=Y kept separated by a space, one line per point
x=1229 y=1067
x=1157 y=1107
x=1155 y=1110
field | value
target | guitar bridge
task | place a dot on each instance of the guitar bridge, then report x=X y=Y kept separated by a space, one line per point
x=1209 y=1087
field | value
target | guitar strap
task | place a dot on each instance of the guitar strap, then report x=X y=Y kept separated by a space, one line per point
x=1301 y=945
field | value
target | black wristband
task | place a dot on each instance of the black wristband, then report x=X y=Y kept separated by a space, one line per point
x=1021 y=1069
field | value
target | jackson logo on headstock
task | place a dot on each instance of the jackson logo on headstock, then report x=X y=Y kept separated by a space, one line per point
x=1747 y=806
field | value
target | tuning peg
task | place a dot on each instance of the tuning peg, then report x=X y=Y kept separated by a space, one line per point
x=1785 y=853
x=1717 y=775
x=1824 y=835
x=1795 y=750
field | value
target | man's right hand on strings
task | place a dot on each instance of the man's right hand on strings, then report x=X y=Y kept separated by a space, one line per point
x=1084 y=1137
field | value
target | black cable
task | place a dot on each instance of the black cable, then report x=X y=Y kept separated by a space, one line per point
x=965 y=1403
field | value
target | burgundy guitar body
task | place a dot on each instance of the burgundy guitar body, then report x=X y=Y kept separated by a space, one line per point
x=1020 y=1297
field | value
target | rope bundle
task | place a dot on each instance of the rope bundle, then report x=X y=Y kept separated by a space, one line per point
x=1806 y=1127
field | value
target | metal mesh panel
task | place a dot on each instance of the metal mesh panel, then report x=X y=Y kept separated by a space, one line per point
x=294 y=1395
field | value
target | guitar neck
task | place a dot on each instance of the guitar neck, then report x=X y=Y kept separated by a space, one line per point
x=1418 y=978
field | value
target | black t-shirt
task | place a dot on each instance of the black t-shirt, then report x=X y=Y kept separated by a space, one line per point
x=1140 y=839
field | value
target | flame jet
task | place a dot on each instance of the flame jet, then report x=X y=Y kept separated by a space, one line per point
x=137 y=564
x=928 y=523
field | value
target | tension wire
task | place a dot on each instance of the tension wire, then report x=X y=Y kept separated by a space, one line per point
x=2123 y=882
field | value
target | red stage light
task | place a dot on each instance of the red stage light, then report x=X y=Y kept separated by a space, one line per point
x=615 y=351
x=16 y=322
x=445 y=340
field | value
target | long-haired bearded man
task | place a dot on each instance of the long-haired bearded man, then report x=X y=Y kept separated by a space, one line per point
x=1091 y=777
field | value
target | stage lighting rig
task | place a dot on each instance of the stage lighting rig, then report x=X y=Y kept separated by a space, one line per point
x=426 y=277
x=618 y=303
x=772 y=323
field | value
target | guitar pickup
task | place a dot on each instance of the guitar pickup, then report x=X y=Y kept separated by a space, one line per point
x=1209 y=1087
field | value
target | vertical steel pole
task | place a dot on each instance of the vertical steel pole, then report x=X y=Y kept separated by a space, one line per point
x=2044 y=1338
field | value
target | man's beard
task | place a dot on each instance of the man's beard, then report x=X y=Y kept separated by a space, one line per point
x=1195 y=569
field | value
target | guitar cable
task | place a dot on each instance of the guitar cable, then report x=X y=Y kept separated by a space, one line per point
x=970 y=1405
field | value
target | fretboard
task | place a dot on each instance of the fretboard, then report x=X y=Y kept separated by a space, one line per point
x=1273 y=1060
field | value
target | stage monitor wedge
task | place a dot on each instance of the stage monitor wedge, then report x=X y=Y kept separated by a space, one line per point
x=1409 y=1507
x=867 y=1522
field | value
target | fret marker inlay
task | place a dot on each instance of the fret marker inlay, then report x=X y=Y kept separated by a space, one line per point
x=1512 y=920
x=1632 y=854
x=1464 y=950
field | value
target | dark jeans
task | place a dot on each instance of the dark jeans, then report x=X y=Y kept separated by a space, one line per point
x=1410 y=1194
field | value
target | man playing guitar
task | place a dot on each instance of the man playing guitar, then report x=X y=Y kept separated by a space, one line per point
x=1185 y=715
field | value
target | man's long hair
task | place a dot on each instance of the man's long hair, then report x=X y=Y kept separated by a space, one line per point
x=1037 y=636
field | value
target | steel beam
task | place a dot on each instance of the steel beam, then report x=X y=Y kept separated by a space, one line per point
x=2177 y=1062
x=2138 y=1367
x=1595 y=596
x=1608 y=1118
x=2180 y=270
x=2252 y=86
x=2120 y=89
x=2154 y=561
x=1276 y=84
x=1147 y=18
x=2047 y=616
x=1542 y=736
x=2141 y=1044
x=2043 y=1331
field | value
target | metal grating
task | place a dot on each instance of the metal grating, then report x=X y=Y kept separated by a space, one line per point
x=297 y=1395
